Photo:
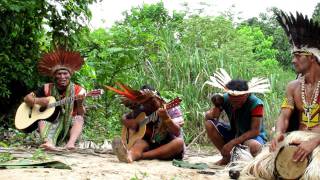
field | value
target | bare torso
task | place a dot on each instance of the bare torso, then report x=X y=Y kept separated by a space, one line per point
x=295 y=91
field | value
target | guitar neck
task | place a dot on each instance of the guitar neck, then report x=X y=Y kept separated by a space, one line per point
x=62 y=102
x=152 y=116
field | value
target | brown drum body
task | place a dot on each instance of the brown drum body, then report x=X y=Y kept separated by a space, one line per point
x=285 y=167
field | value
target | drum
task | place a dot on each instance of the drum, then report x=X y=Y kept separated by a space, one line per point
x=285 y=167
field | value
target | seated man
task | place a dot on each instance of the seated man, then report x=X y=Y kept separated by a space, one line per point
x=163 y=138
x=67 y=120
x=301 y=106
x=245 y=113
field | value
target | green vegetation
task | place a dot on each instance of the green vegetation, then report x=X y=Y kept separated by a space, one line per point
x=175 y=53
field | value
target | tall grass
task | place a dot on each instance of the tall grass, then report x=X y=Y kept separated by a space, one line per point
x=183 y=67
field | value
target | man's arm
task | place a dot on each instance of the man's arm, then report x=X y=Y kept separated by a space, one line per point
x=81 y=110
x=305 y=148
x=172 y=122
x=253 y=132
x=129 y=123
x=31 y=99
x=283 y=119
x=174 y=125
x=213 y=113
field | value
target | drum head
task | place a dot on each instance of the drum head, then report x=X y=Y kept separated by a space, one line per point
x=285 y=167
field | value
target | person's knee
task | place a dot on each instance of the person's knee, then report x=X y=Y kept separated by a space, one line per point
x=78 y=120
x=179 y=143
x=208 y=125
x=254 y=146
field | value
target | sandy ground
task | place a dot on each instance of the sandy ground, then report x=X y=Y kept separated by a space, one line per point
x=106 y=166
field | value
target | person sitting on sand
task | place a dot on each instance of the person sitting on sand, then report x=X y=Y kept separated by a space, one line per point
x=163 y=138
x=245 y=113
x=68 y=119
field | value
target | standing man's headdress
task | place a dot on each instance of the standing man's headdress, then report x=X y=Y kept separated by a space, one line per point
x=60 y=59
x=303 y=33
x=221 y=78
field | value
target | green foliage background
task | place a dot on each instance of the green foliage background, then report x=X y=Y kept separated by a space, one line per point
x=176 y=53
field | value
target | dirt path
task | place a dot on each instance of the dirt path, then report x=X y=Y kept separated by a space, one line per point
x=107 y=166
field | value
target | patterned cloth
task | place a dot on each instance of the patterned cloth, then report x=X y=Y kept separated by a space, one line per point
x=315 y=118
x=56 y=130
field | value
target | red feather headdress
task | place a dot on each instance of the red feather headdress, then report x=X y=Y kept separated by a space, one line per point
x=130 y=96
x=60 y=59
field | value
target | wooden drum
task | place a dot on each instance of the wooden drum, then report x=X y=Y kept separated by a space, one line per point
x=285 y=167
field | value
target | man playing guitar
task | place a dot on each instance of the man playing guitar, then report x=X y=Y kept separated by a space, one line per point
x=67 y=120
x=163 y=138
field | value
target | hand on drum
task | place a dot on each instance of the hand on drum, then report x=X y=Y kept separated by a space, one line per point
x=275 y=141
x=304 y=149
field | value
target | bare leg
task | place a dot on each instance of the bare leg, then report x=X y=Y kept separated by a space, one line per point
x=166 y=151
x=47 y=144
x=75 y=132
x=125 y=155
x=254 y=146
x=214 y=135
x=135 y=153
x=217 y=140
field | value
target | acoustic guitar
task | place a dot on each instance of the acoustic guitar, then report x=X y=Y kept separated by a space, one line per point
x=130 y=136
x=26 y=116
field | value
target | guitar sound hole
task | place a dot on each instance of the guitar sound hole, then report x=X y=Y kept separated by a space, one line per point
x=42 y=109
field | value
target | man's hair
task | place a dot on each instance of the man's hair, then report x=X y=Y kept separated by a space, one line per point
x=238 y=85
x=148 y=86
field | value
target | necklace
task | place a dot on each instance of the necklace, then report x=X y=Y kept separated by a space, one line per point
x=307 y=107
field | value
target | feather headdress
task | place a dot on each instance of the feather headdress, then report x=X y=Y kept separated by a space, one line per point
x=221 y=78
x=60 y=59
x=303 y=33
x=130 y=97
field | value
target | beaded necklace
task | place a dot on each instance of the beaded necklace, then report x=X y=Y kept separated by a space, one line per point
x=306 y=106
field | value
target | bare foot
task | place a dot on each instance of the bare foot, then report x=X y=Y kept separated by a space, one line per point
x=48 y=146
x=222 y=162
x=70 y=147
x=121 y=151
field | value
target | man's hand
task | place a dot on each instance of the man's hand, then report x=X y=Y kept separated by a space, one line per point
x=163 y=114
x=217 y=100
x=226 y=149
x=304 y=149
x=43 y=101
x=275 y=141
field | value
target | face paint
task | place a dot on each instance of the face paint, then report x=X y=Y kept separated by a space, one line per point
x=62 y=78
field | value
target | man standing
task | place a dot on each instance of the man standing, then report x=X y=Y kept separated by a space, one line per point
x=163 y=138
x=68 y=119
x=245 y=113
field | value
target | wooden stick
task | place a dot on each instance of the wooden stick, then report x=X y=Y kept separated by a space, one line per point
x=196 y=138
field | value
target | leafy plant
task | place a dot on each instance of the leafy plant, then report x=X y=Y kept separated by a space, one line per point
x=40 y=155
x=4 y=157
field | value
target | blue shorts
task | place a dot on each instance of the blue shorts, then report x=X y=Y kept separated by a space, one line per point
x=225 y=131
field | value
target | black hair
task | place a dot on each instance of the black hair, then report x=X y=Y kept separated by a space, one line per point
x=238 y=85
x=148 y=86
